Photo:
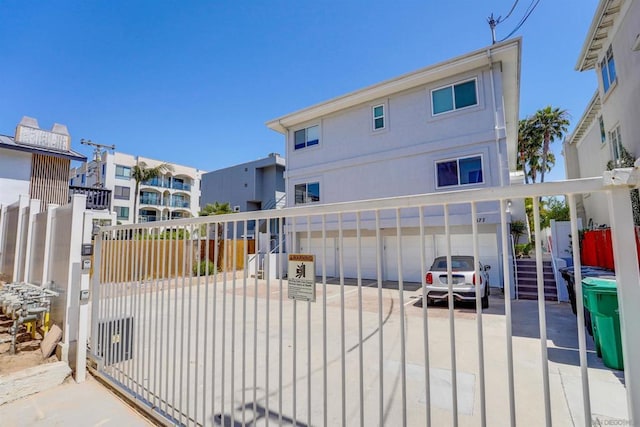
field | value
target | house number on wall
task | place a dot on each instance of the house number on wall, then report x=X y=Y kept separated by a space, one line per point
x=481 y=219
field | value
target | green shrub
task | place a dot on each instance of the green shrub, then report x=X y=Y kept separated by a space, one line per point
x=204 y=268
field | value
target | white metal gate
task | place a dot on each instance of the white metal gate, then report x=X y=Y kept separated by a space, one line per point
x=232 y=349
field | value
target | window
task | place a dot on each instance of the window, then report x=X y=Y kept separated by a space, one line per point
x=123 y=212
x=306 y=137
x=104 y=169
x=307 y=193
x=616 y=145
x=122 y=193
x=608 y=70
x=123 y=172
x=378 y=117
x=454 y=97
x=461 y=171
x=84 y=179
x=603 y=134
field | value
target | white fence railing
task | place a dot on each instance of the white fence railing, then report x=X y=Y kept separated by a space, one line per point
x=230 y=349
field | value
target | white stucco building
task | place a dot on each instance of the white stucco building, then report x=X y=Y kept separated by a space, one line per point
x=449 y=126
x=612 y=118
x=175 y=194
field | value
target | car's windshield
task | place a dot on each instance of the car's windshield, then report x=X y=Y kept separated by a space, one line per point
x=458 y=263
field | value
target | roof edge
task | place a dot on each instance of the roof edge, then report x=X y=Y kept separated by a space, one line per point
x=393 y=85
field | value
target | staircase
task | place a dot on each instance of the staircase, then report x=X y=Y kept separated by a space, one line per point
x=528 y=282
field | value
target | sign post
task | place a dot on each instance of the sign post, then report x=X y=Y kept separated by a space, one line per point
x=302 y=277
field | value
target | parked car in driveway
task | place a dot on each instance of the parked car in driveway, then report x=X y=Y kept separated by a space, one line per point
x=464 y=280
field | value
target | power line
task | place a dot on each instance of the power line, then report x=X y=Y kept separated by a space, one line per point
x=493 y=22
x=528 y=13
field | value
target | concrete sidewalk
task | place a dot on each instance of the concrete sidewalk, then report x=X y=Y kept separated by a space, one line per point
x=70 y=404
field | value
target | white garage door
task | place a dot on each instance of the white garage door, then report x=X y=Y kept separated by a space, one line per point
x=367 y=257
x=315 y=248
x=411 y=268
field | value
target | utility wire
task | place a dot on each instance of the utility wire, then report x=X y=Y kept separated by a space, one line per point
x=528 y=12
x=500 y=19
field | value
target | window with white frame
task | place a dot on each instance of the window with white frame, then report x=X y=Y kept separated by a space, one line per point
x=461 y=171
x=454 y=97
x=378 y=117
x=123 y=172
x=307 y=193
x=616 y=145
x=306 y=137
x=608 y=70
x=122 y=193
x=603 y=134
x=122 y=212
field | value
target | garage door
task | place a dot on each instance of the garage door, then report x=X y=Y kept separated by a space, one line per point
x=367 y=257
x=411 y=268
x=315 y=248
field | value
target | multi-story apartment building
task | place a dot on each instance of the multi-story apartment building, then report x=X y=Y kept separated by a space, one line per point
x=251 y=186
x=174 y=194
x=610 y=121
x=35 y=163
x=449 y=126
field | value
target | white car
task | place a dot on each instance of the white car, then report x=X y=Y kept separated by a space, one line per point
x=463 y=277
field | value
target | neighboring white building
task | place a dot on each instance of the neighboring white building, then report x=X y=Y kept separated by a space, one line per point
x=35 y=163
x=612 y=118
x=175 y=194
x=449 y=126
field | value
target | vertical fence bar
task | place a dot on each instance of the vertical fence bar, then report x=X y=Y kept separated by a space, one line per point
x=452 y=328
x=507 y=310
x=216 y=253
x=294 y=248
x=170 y=360
x=199 y=274
x=628 y=278
x=245 y=257
x=161 y=315
x=267 y=314
x=190 y=332
x=175 y=327
x=255 y=321
x=403 y=358
x=324 y=320
x=280 y=321
x=542 y=320
x=183 y=295
x=343 y=365
x=425 y=321
x=309 y=331
x=360 y=334
x=379 y=248
x=157 y=292
x=223 y=348
x=151 y=290
x=234 y=245
x=479 y=275
x=119 y=302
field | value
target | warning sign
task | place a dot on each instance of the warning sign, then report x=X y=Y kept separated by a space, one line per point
x=302 y=277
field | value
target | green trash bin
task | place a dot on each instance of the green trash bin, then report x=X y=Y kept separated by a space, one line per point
x=601 y=299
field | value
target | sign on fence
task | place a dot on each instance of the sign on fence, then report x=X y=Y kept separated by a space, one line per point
x=302 y=277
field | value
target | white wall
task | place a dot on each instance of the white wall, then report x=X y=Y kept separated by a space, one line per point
x=352 y=162
x=15 y=175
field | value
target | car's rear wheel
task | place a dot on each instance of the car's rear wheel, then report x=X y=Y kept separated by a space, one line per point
x=485 y=299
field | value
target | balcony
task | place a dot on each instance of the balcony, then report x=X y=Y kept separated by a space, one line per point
x=181 y=186
x=180 y=204
x=97 y=198
x=158 y=182
x=150 y=200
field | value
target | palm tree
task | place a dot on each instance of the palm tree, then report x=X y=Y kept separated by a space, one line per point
x=141 y=173
x=551 y=123
x=529 y=149
x=216 y=208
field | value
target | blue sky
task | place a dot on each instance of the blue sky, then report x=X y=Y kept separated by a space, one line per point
x=193 y=82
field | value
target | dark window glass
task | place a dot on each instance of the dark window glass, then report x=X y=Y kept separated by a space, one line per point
x=447 y=173
x=465 y=94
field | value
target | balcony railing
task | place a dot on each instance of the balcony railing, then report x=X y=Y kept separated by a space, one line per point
x=150 y=200
x=180 y=204
x=181 y=186
x=97 y=198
